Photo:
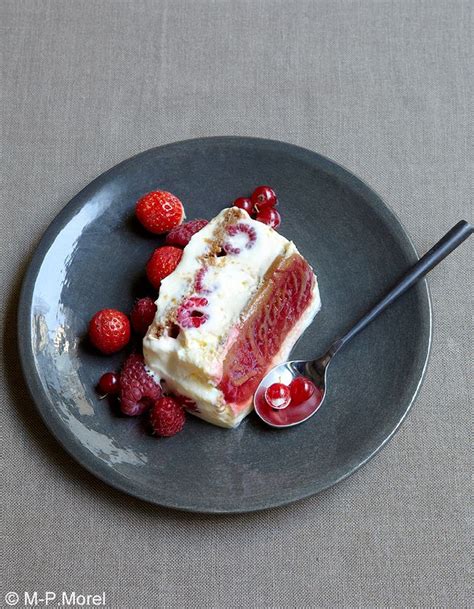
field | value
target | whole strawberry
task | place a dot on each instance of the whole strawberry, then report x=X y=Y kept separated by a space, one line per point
x=142 y=315
x=138 y=389
x=167 y=417
x=109 y=330
x=181 y=235
x=163 y=261
x=159 y=211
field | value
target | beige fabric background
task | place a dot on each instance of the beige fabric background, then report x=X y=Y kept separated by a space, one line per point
x=381 y=87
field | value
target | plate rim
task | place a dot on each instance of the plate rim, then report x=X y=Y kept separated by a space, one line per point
x=24 y=335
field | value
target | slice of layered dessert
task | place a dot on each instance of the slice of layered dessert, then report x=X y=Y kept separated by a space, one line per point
x=232 y=309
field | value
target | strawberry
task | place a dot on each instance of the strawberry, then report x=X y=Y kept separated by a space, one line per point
x=163 y=261
x=167 y=417
x=181 y=235
x=159 y=211
x=109 y=330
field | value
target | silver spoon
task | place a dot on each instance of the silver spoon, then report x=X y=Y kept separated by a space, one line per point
x=316 y=370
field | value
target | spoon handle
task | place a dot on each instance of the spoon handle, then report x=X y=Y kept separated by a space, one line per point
x=451 y=240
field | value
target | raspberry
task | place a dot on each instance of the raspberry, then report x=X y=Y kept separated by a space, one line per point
x=190 y=314
x=109 y=330
x=235 y=229
x=167 y=418
x=181 y=235
x=142 y=315
x=162 y=263
x=138 y=390
x=159 y=211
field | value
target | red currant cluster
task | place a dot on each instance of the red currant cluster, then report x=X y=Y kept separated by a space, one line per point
x=261 y=206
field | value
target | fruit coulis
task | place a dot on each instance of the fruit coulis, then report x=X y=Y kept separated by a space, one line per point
x=290 y=415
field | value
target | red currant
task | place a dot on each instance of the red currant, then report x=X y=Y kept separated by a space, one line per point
x=109 y=383
x=278 y=395
x=269 y=216
x=301 y=389
x=245 y=204
x=264 y=197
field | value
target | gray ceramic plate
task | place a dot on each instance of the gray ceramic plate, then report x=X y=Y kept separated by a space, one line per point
x=93 y=256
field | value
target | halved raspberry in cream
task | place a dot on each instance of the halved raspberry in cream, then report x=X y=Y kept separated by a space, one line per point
x=233 y=308
x=192 y=313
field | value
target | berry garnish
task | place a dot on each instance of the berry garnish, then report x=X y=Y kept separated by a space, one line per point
x=263 y=197
x=167 y=417
x=162 y=263
x=269 y=216
x=109 y=330
x=190 y=313
x=245 y=204
x=181 y=235
x=278 y=395
x=109 y=384
x=138 y=389
x=301 y=389
x=235 y=229
x=142 y=315
x=159 y=211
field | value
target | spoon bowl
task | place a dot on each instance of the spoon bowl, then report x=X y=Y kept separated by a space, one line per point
x=284 y=373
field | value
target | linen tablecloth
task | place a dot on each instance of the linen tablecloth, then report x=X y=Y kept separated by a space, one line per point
x=381 y=87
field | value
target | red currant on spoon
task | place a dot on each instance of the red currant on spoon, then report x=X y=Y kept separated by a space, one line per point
x=278 y=395
x=301 y=389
